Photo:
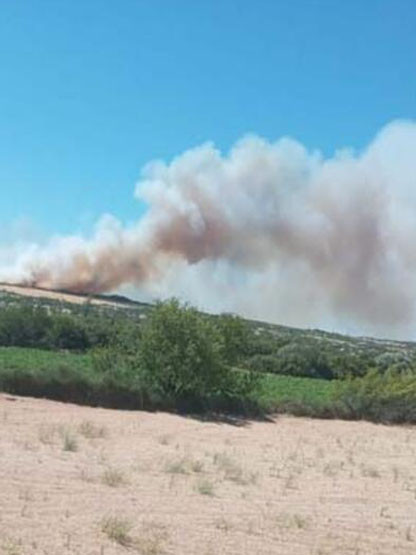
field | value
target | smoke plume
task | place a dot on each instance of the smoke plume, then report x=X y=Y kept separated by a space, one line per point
x=269 y=230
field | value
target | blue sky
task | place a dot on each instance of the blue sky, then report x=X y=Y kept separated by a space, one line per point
x=91 y=90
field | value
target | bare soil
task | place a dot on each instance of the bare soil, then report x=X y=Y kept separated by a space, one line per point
x=79 y=480
x=54 y=295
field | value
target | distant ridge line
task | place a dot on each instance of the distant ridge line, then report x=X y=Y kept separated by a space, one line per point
x=112 y=298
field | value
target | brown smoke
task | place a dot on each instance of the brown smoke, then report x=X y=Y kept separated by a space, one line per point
x=285 y=227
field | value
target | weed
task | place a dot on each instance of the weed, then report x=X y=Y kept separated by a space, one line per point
x=300 y=522
x=152 y=537
x=289 y=483
x=26 y=494
x=46 y=434
x=232 y=470
x=118 y=530
x=114 y=477
x=223 y=525
x=11 y=547
x=332 y=468
x=177 y=467
x=70 y=442
x=205 y=487
x=286 y=520
x=165 y=439
x=92 y=431
x=197 y=466
x=370 y=471
x=85 y=476
x=384 y=512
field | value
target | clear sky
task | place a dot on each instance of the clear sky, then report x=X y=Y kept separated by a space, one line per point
x=91 y=90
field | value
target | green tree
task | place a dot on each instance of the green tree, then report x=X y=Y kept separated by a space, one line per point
x=234 y=336
x=67 y=332
x=182 y=355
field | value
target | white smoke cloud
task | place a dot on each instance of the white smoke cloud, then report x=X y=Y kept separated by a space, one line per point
x=269 y=230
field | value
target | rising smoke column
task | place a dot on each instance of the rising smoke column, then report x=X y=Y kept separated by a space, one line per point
x=269 y=229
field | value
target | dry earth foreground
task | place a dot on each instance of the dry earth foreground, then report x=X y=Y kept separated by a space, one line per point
x=80 y=480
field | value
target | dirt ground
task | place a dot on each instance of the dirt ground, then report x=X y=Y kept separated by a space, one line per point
x=79 y=480
x=53 y=295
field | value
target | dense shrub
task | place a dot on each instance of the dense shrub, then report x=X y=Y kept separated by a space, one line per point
x=183 y=356
x=233 y=337
x=24 y=326
x=32 y=326
x=388 y=397
x=294 y=359
x=66 y=332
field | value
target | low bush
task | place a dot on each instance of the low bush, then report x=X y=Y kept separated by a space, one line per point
x=24 y=326
x=293 y=360
x=66 y=332
x=388 y=397
x=185 y=358
x=39 y=327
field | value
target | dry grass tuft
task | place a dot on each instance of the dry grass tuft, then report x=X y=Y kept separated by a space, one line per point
x=205 y=487
x=233 y=471
x=152 y=539
x=47 y=434
x=370 y=471
x=11 y=547
x=118 y=530
x=165 y=439
x=90 y=430
x=70 y=442
x=114 y=478
x=286 y=520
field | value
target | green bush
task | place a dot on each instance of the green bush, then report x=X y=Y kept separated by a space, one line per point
x=67 y=332
x=388 y=397
x=233 y=337
x=24 y=326
x=293 y=359
x=40 y=327
x=183 y=357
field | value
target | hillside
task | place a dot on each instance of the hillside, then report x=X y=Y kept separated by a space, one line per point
x=110 y=351
x=273 y=348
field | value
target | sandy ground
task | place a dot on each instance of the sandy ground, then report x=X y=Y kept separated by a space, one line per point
x=53 y=295
x=79 y=480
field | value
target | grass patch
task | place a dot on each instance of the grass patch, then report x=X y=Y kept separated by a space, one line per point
x=118 y=530
x=68 y=377
x=205 y=487
x=47 y=434
x=70 y=442
x=114 y=478
x=11 y=547
x=233 y=471
x=21 y=358
x=92 y=431
x=179 y=466
x=302 y=396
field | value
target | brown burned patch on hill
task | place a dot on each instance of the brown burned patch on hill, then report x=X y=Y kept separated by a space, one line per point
x=65 y=296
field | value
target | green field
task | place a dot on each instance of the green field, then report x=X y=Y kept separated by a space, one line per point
x=63 y=375
x=19 y=358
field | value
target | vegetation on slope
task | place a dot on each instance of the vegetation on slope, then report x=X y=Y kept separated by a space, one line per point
x=171 y=356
